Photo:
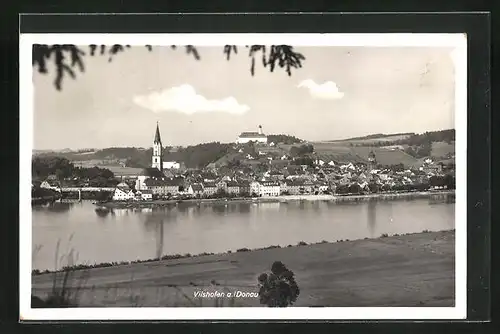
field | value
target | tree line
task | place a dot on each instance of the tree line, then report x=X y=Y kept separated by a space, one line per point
x=302 y=150
x=447 y=181
x=417 y=145
x=283 y=139
x=63 y=169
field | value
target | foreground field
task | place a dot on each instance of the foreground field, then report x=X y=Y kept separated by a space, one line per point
x=410 y=270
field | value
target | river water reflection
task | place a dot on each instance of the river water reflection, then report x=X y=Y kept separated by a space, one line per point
x=131 y=234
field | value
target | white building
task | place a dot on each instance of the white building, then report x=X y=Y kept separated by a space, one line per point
x=258 y=137
x=123 y=194
x=171 y=165
x=140 y=182
x=50 y=184
x=195 y=189
x=265 y=188
x=319 y=162
x=146 y=195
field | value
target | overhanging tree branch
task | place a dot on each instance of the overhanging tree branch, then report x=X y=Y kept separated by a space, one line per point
x=282 y=55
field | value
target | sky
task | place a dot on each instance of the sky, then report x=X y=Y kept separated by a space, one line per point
x=339 y=92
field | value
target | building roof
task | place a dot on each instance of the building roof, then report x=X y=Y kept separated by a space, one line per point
x=197 y=187
x=52 y=183
x=164 y=183
x=153 y=172
x=125 y=190
x=269 y=183
x=294 y=183
x=252 y=135
x=157 y=134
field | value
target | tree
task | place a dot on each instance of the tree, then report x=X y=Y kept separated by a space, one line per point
x=282 y=56
x=301 y=150
x=449 y=181
x=278 y=288
x=342 y=189
x=374 y=187
x=355 y=188
x=283 y=139
x=398 y=167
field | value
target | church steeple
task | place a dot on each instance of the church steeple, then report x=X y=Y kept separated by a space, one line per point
x=156 y=159
x=157 y=134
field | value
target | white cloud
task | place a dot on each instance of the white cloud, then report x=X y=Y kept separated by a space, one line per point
x=184 y=99
x=327 y=90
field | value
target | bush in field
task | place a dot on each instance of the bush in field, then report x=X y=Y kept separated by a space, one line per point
x=278 y=288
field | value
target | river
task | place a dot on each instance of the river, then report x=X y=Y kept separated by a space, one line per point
x=86 y=236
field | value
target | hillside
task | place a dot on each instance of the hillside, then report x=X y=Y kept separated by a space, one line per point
x=442 y=149
x=390 y=149
x=375 y=138
x=346 y=154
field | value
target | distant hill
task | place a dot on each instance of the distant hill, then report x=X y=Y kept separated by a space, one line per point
x=406 y=138
x=196 y=156
x=378 y=136
x=406 y=148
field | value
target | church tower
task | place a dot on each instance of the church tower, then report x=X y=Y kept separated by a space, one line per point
x=372 y=160
x=156 y=160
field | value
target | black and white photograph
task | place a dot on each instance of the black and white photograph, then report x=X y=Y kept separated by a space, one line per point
x=251 y=176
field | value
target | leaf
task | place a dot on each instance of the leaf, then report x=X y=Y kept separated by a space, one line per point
x=92 y=47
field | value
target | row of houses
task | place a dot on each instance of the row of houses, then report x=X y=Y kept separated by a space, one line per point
x=262 y=188
x=123 y=192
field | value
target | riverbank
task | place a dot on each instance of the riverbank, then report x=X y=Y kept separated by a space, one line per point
x=410 y=270
x=274 y=199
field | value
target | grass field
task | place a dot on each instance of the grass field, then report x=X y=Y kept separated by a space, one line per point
x=397 y=271
x=343 y=153
x=386 y=156
x=371 y=140
x=440 y=149
x=84 y=153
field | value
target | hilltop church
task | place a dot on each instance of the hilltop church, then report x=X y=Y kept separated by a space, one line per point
x=156 y=159
x=257 y=137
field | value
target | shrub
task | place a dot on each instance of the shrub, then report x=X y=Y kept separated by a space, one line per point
x=278 y=288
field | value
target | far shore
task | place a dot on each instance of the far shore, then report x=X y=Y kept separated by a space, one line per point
x=408 y=270
x=273 y=199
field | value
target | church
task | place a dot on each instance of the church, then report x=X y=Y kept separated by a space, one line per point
x=157 y=157
x=257 y=137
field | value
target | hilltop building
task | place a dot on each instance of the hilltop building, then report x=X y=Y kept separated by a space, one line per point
x=258 y=137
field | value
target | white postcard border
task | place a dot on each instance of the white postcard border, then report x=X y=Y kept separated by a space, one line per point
x=26 y=91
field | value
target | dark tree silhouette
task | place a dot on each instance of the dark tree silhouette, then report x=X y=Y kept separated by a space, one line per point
x=278 y=288
x=271 y=56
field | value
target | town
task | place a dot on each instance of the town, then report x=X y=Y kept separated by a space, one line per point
x=257 y=169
